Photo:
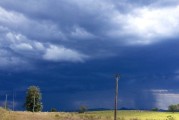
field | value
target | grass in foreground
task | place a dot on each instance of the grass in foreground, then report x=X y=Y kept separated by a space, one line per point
x=101 y=115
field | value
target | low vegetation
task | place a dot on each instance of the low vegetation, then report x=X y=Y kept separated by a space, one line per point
x=173 y=108
x=82 y=109
x=101 y=115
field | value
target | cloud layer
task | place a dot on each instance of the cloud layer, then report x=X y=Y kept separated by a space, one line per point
x=66 y=31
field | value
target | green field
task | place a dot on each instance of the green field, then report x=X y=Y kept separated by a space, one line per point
x=138 y=115
x=101 y=115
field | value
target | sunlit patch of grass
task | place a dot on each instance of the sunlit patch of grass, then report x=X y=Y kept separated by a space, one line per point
x=100 y=115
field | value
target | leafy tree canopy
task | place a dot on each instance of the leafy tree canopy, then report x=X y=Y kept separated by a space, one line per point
x=33 y=99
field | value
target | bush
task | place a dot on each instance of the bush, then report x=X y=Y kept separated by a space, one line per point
x=53 y=110
x=82 y=109
x=154 y=109
x=173 y=108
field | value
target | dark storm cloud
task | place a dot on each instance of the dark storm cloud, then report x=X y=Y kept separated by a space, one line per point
x=43 y=27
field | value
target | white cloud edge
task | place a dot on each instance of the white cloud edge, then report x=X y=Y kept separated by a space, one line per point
x=60 y=53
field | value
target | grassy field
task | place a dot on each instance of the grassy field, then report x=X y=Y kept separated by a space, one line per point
x=102 y=115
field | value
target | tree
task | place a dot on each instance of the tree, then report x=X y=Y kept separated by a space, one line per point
x=172 y=108
x=33 y=99
x=82 y=109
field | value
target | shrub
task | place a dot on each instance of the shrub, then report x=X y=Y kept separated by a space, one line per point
x=172 y=108
x=154 y=109
x=82 y=109
x=53 y=110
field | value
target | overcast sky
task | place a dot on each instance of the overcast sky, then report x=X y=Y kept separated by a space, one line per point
x=71 y=49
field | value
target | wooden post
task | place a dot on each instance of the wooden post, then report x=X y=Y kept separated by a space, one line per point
x=116 y=97
x=13 y=101
x=5 y=105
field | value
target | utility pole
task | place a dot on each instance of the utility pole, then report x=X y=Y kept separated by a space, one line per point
x=34 y=103
x=13 y=101
x=116 y=96
x=5 y=105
